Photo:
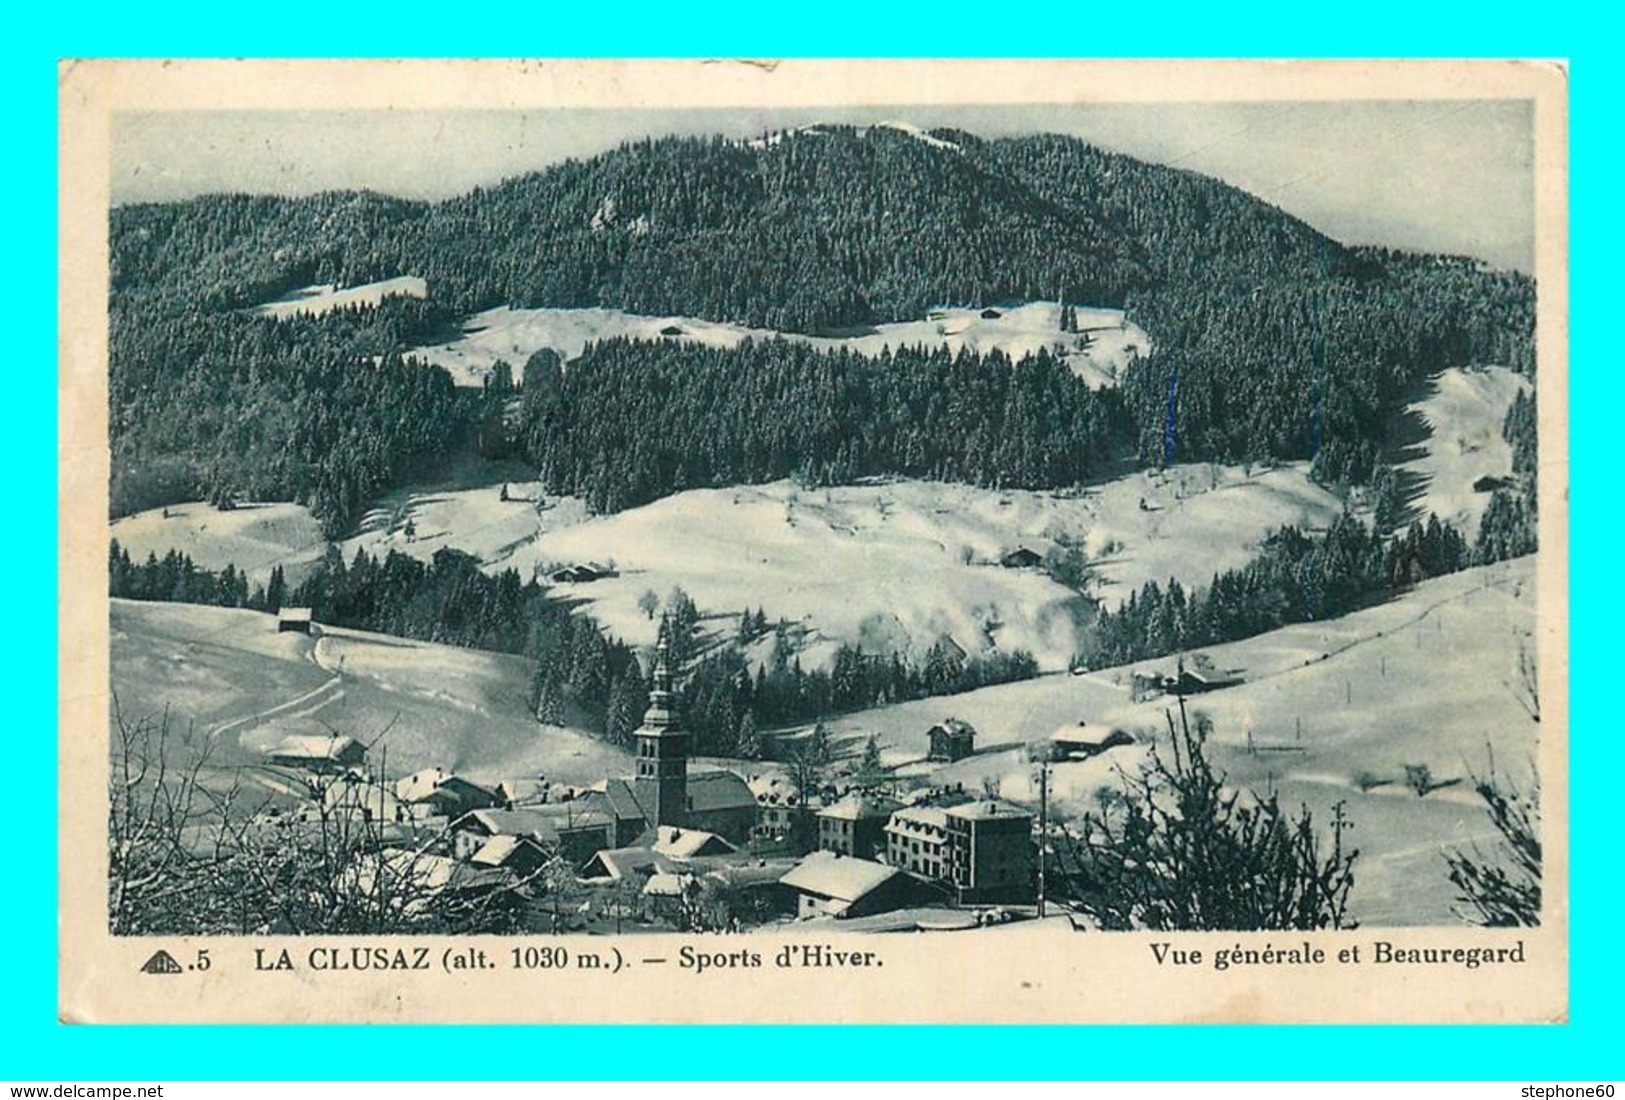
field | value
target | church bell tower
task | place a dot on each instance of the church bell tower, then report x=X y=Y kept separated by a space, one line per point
x=661 y=782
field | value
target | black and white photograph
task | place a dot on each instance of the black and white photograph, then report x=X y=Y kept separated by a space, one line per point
x=980 y=526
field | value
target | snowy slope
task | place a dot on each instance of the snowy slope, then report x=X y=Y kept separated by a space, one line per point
x=1463 y=416
x=1427 y=679
x=1098 y=353
x=316 y=300
x=230 y=678
x=890 y=565
x=252 y=537
x=475 y=520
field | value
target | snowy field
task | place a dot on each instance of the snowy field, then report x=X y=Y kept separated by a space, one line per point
x=475 y=520
x=1098 y=353
x=252 y=537
x=227 y=676
x=1463 y=416
x=1328 y=712
x=316 y=300
x=891 y=565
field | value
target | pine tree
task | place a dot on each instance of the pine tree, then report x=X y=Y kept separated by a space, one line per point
x=870 y=769
x=1388 y=501
x=275 y=590
x=748 y=741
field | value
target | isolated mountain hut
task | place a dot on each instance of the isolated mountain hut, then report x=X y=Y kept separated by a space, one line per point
x=1022 y=558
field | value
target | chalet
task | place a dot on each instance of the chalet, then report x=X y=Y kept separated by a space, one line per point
x=917 y=841
x=446 y=792
x=990 y=851
x=755 y=885
x=1195 y=681
x=672 y=330
x=991 y=315
x=522 y=855
x=523 y=792
x=855 y=826
x=833 y=885
x=689 y=843
x=316 y=752
x=354 y=796
x=574 y=829
x=951 y=739
x=1021 y=558
x=625 y=864
x=293 y=620
x=669 y=886
x=579 y=574
x=415 y=880
x=1082 y=740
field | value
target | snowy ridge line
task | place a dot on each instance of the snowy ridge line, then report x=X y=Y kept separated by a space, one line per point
x=1110 y=341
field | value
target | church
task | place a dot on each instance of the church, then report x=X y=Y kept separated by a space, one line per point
x=662 y=792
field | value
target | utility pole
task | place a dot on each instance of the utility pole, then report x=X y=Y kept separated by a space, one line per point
x=1043 y=830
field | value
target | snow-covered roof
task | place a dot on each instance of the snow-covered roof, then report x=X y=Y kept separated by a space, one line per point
x=523 y=790
x=496 y=851
x=543 y=822
x=774 y=790
x=353 y=794
x=685 y=843
x=986 y=809
x=665 y=884
x=856 y=807
x=420 y=784
x=294 y=615
x=840 y=877
x=436 y=872
x=915 y=818
x=1093 y=734
x=620 y=863
x=313 y=746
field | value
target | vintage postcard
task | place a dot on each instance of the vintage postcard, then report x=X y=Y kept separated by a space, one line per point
x=792 y=541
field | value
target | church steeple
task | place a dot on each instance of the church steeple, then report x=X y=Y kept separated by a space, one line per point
x=659 y=713
x=661 y=782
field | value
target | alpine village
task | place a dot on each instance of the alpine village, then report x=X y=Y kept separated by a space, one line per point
x=846 y=528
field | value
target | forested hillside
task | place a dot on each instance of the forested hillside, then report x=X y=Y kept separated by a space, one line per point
x=1271 y=340
x=630 y=421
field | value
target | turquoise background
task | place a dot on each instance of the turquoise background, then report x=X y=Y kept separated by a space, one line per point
x=34 y=1046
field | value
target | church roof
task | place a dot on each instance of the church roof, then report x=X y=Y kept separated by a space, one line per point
x=718 y=790
x=623 y=804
